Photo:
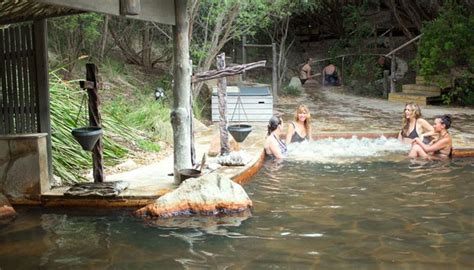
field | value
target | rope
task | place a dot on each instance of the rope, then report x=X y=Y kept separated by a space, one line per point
x=80 y=109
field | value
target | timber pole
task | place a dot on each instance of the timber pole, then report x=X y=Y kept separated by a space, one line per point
x=274 y=73
x=95 y=120
x=244 y=55
x=181 y=113
x=222 y=98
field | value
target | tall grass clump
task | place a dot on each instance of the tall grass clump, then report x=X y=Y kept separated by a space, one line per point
x=69 y=160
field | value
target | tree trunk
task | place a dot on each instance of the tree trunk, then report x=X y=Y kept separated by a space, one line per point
x=146 y=47
x=181 y=113
x=222 y=98
x=105 y=31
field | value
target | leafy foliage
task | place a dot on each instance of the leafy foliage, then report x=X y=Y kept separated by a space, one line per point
x=69 y=160
x=447 y=41
x=463 y=92
x=73 y=36
x=290 y=90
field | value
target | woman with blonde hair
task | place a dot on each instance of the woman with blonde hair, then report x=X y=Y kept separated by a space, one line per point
x=300 y=129
x=413 y=125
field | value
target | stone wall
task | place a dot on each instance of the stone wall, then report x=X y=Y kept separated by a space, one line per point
x=23 y=167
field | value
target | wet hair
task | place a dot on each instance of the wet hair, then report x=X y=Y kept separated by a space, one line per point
x=406 y=124
x=273 y=124
x=446 y=120
x=307 y=121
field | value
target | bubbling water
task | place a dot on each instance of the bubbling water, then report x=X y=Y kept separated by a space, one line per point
x=346 y=150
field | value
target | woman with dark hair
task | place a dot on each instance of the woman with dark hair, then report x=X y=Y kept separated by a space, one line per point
x=441 y=148
x=274 y=146
x=413 y=125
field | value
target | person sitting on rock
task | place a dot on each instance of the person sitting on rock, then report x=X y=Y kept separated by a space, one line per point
x=441 y=148
x=274 y=146
x=330 y=75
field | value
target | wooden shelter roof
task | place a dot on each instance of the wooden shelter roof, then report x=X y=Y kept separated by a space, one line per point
x=15 y=11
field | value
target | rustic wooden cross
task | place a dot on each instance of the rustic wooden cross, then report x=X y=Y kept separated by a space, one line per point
x=221 y=73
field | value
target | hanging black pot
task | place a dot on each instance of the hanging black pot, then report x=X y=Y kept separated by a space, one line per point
x=87 y=137
x=239 y=131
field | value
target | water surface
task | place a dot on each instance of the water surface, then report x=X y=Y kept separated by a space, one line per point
x=369 y=214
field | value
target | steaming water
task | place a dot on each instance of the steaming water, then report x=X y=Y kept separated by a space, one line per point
x=343 y=150
x=381 y=211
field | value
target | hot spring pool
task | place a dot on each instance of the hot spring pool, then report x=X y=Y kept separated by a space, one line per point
x=343 y=213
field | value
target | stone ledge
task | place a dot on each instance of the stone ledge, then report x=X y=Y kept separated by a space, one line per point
x=23 y=136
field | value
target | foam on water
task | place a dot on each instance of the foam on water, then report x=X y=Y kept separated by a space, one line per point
x=342 y=149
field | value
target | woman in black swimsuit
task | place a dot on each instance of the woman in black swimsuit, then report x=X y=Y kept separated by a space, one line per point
x=439 y=149
x=413 y=125
x=300 y=129
x=274 y=146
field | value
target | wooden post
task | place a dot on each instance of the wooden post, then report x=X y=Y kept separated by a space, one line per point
x=393 y=79
x=244 y=55
x=274 y=73
x=95 y=120
x=40 y=40
x=392 y=67
x=342 y=71
x=386 y=79
x=222 y=98
x=181 y=113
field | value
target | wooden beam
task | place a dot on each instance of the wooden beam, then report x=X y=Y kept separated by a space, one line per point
x=230 y=71
x=40 y=41
x=259 y=45
x=160 y=11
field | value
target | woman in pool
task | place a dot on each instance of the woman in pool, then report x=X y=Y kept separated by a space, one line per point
x=300 y=129
x=413 y=125
x=439 y=149
x=274 y=146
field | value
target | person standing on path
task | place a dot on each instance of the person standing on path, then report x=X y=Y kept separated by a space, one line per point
x=305 y=72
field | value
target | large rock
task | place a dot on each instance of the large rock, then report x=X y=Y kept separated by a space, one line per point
x=6 y=210
x=211 y=194
x=295 y=83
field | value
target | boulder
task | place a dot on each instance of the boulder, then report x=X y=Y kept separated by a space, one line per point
x=210 y=194
x=6 y=210
x=295 y=83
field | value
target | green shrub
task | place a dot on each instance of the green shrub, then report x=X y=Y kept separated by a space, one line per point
x=462 y=93
x=69 y=160
x=447 y=41
x=290 y=90
x=148 y=146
